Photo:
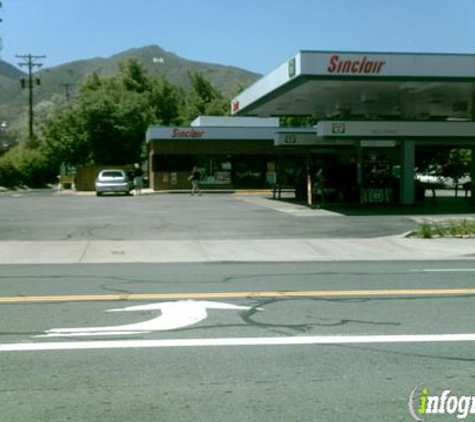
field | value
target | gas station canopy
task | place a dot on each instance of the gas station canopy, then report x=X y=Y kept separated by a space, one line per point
x=365 y=86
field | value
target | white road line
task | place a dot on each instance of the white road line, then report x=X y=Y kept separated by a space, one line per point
x=444 y=270
x=246 y=341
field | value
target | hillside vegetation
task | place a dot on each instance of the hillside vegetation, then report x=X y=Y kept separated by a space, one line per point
x=105 y=122
x=157 y=62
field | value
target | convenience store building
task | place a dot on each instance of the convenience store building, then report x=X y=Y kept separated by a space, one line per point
x=375 y=112
x=231 y=153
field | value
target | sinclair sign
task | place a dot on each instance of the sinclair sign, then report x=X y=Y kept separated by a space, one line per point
x=367 y=64
x=359 y=66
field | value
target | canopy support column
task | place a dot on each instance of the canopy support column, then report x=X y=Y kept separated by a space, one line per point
x=407 y=186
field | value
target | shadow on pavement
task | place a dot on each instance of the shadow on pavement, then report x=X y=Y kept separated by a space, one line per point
x=430 y=206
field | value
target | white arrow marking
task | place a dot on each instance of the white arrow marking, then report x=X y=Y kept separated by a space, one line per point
x=173 y=315
x=227 y=342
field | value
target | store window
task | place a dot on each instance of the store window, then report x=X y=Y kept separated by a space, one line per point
x=215 y=169
x=249 y=171
x=175 y=163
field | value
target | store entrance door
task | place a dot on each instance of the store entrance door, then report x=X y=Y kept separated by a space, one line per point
x=379 y=177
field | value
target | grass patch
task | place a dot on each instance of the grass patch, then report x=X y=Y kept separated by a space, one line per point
x=454 y=228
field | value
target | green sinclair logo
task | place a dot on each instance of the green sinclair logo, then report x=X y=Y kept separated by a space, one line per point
x=422 y=403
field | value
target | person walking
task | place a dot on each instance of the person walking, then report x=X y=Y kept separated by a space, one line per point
x=195 y=178
x=138 y=179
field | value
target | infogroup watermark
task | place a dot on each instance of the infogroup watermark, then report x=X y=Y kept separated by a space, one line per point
x=423 y=402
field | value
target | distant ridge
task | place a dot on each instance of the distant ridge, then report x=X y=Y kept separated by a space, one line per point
x=8 y=71
x=156 y=60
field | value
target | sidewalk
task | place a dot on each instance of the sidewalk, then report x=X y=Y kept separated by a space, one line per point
x=255 y=250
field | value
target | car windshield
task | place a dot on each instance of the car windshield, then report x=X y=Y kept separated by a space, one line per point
x=112 y=174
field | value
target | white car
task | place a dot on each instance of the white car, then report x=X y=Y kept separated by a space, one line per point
x=429 y=178
x=113 y=181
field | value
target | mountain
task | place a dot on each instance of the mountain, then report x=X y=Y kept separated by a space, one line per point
x=157 y=61
x=9 y=77
x=8 y=71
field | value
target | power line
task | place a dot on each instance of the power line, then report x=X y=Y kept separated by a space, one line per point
x=31 y=62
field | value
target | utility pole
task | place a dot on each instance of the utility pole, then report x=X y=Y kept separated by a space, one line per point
x=30 y=62
x=1 y=20
x=68 y=88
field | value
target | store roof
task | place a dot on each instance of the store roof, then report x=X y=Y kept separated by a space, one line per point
x=364 y=85
x=226 y=121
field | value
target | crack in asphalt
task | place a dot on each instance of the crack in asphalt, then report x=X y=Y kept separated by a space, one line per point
x=401 y=353
x=247 y=317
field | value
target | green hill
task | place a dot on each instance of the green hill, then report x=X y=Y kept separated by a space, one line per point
x=13 y=100
x=9 y=79
x=9 y=72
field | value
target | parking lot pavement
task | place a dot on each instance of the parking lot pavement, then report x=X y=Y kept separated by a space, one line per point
x=47 y=227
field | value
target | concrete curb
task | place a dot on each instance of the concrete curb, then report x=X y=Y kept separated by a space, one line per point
x=146 y=192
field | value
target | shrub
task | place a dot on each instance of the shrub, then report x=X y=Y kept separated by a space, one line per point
x=23 y=165
x=425 y=230
x=456 y=228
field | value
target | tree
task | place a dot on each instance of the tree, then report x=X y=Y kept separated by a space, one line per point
x=65 y=138
x=298 y=121
x=115 y=122
x=457 y=163
x=454 y=163
x=134 y=76
x=167 y=102
x=204 y=99
x=107 y=124
x=93 y=82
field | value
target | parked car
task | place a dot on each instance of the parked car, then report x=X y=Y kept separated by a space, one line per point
x=113 y=181
x=429 y=178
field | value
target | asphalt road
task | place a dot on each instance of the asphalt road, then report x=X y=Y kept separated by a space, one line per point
x=145 y=381
x=222 y=341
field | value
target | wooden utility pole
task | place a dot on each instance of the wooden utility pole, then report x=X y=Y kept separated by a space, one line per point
x=1 y=20
x=68 y=88
x=30 y=62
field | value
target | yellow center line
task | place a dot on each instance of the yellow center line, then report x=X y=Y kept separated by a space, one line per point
x=238 y=295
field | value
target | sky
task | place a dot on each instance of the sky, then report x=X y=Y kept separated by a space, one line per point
x=256 y=35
